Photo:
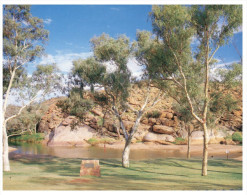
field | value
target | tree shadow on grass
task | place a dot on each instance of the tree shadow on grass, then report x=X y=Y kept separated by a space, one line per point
x=113 y=172
x=215 y=163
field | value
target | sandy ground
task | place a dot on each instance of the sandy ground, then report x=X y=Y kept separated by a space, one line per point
x=11 y=149
x=235 y=151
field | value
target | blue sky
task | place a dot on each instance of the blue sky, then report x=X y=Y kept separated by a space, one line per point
x=72 y=26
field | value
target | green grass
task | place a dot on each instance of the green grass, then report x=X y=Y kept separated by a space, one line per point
x=33 y=138
x=165 y=174
x=96 y=141
x=180 y=141
x=237 y=136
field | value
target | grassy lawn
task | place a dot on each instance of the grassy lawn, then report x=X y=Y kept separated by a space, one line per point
x=165 y=174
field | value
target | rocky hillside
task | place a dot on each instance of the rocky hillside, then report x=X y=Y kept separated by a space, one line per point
x=161 y=124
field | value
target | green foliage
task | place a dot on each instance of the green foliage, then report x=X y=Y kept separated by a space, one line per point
x=75 y=105
x=180 y=141
x=153 y=114
x=231 y=76
x=101 y=99
x=206 y=17
x=100 y=122
x=27 y=121
x=23 y=36
x=88 y=72
x=108 y=49
x=19 y=76
x=228 y=137
x=33 y=138
x=116 y=52
x=237 y=136
x=220 y=105
x=181 y=73
x=96 y=141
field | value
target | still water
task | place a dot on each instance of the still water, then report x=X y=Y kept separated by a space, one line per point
x=93 y=152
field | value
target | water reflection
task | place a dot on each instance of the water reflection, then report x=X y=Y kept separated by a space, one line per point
x=93 y=152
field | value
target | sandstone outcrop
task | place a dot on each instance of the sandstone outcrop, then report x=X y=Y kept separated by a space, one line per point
x=154 y=137
x=162 y=127
x=65 y=136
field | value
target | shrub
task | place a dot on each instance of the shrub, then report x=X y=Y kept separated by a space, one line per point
x=180 y=141
x=237 y=136
x=75 y=105
x=154 y=114
x=228 y=137
x=29 y=138
x=100 y=122
x=95 y=141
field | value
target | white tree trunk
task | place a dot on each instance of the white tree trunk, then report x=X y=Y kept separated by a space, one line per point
x=6 y=165
x=126 y=153
x=205 y=151
x=188 y=149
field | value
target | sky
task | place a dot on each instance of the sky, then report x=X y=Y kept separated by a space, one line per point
x=72 y=26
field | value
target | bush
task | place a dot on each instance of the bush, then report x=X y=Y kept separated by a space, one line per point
x=100 y=122
x=237 y=136
x=180 y=141
x=154 y=114
x=34 y=138
x=95 y=141
x=228 y=137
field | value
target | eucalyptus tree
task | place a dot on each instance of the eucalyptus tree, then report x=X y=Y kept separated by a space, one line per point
x=90 y=70
x=117 y=83
x=23 y=37
x=188 y=72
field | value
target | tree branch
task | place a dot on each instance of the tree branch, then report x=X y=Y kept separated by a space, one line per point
x=15 y=115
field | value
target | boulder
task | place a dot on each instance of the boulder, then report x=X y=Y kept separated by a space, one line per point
x=43 y=126
x=152 y=121
x=163 y=114
x=167 y=122
x=141 y=132
x=182 y=133
x=97 y=112
x=158 y=121
x=65 y=136
x=67 y=121
x=169 y=115
x=230 y=142
x=237 y=113
x=197 y=135
x=163 y=129
x=145 y=121
x=154 y=137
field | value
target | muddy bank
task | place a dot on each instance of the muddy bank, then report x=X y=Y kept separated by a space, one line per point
x=235 y=151
x=12 y=149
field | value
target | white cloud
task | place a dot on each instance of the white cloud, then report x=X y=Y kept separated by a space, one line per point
x=47 y=21
x=240 y=29
x=114 y=9
x=134 y=67
x=64 y=61
x=214 y=70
